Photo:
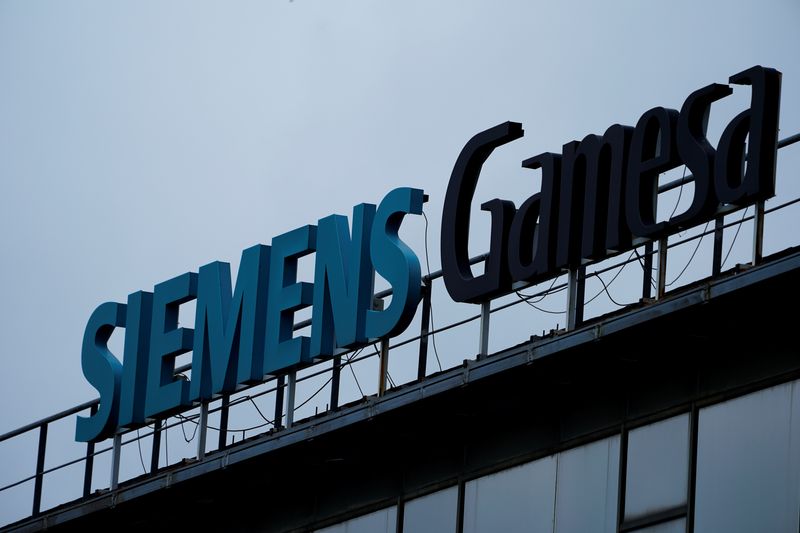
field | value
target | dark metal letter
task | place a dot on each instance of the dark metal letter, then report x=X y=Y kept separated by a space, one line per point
x=760 y=122
x=462 y=285
x=698 y=154
x=652 y=152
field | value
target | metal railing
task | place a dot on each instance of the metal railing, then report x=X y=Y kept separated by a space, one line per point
x=284 y=386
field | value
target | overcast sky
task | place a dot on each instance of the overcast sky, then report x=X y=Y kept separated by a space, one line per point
x=141 y=140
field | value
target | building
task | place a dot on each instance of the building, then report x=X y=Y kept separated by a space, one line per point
x=684 y=409
x=678 y=413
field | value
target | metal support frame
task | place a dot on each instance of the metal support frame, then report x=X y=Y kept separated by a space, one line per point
x=622 y=475
x=37 y=485
x=647 y=267
x=116 y=451
x=758 y=233
x=223 y=421
x=460 y=506
x=336 y=374
x=661 y=284
x=572 y=298
x=694 y=432
x=156 y=451
x=383 y=366
x=580 y=296
x=280 y=383
x=89 y=466
x=483 y=339
x=291 y=386
x=719 y=226
x=422 y=365
x=202 y=429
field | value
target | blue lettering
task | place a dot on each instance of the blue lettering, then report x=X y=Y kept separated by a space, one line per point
x=167 y=341
x=286 y=296
x=102 y=370
x=229 y=330
x=343 y=282
x=396 y=262
x=135 y=358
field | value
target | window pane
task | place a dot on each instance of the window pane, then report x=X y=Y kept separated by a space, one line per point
x=676 y=526
x=658 y=467
x=748 y=463
x=383 y=521
x=515 y=500
x=586 y=498
x=434 y=513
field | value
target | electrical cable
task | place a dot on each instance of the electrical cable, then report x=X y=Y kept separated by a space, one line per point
x=194 y=434
x=605 y=288
x=388 y=375
x=644 y=269
x=699 y=242
x=166 y=440
x=313 y=395
x=430 y=307
x=680 y=193
x=353 y=371
x=734 y=237
x=527 y=298
x=544 y=294
x=229 y=430
x=537 y=307
x=267 y=420
x=139 y=445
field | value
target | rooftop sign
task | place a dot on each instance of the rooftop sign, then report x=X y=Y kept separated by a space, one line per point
x=597 y=198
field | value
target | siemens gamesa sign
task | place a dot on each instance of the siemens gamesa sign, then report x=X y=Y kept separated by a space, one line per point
x=598 y=197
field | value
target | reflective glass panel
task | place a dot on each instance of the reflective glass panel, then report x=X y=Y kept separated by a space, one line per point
x=675 y=526
x=748 y=463
x=383 y=521
x=658 y=467
x=433 y=513
x=516 y=500
x=586 y=497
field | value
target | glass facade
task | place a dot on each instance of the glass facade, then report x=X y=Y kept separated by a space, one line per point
x=514 y=500
x=747 y=480
x=748 y=463
x=586 y=494
x=383 y=521
x=433 y=513
x=673 y=526
x=660 y=452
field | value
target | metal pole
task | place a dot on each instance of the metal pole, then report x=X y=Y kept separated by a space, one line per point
x=483 y=340
x=758 y=233
x=156 y=452
x=336 y=373
x=580 y=292
x=719 y=226
x=116 y=451
x=89 y=466
x=647 y=281
x=383 y=366
x=37 y=485
x=280 y=382
x=223 y=422
x=661 y=285
x=202 y=426
x=422 y=365
x=291 y=386
x=572 y=298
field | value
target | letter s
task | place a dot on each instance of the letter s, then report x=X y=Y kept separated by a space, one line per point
x=102 y=370
x=396 y=262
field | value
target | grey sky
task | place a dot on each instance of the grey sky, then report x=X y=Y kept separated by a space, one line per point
x=141 y=140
